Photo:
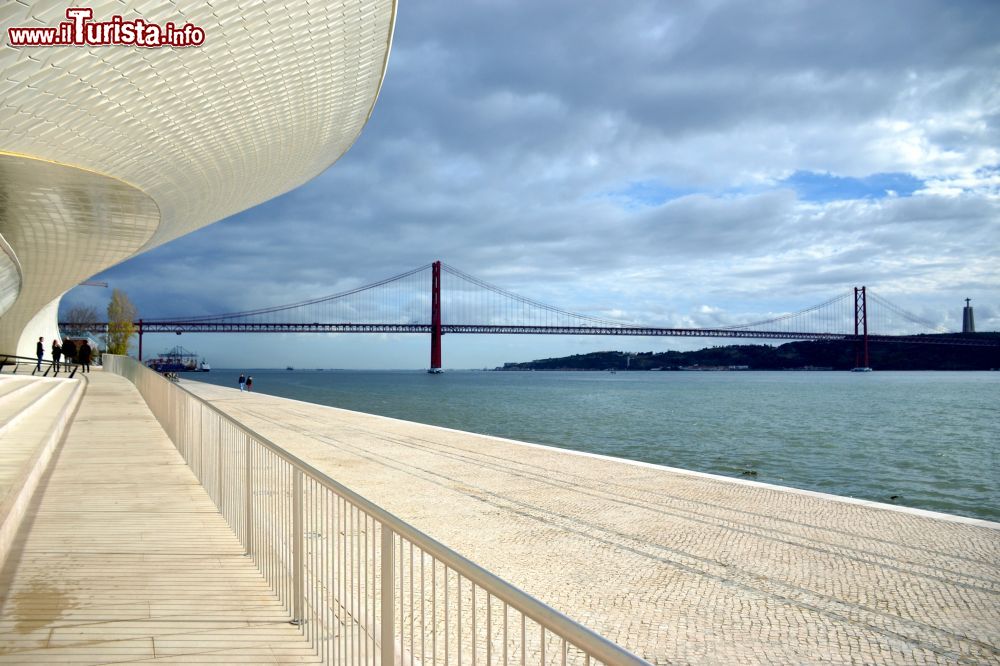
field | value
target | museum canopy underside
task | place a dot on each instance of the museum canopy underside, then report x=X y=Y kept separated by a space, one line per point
x=108 y=151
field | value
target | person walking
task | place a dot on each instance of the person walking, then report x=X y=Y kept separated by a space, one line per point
x=243 y=382
x=69 y=353
x=250 y=384
x=40 y=352
x=83 y=356
x=56 y=355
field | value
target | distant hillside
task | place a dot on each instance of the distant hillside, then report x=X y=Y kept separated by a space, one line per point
x=790 y=356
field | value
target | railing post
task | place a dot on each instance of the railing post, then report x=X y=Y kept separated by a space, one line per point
x=248 y=499
x=200 y=469
x=297 y=545
x=388 y=599
x=218 y=466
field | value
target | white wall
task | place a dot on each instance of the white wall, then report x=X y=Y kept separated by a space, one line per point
x=44 y=324
x=10 y=276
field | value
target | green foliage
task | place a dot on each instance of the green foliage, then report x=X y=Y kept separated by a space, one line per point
x=121 y=314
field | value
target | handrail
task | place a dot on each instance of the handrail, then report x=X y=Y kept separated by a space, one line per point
x=591 y=644
x=542 y=613
x=49 y=365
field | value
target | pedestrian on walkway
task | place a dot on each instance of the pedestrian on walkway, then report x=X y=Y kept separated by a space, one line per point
x=69 y=353
x=83 y=356
x=243 y=382
x=249 y=383
x=40 y=351
x=56 y=355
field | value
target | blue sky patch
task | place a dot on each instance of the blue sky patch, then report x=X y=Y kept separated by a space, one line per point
x=645 y=193
x=822 y=187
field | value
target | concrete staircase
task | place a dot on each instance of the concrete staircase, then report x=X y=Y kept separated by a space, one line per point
x=34 y=414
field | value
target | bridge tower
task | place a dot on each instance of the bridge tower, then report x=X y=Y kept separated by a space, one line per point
x=861 y=327
x=435 y=318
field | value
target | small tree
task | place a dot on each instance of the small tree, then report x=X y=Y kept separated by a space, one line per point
x=121 y=314
x=80 y=318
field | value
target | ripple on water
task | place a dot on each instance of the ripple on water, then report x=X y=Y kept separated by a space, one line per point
x=928 y=438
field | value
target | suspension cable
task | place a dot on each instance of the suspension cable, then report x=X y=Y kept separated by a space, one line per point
x=313 y=301
x=533 y=303
x=909 y=316
x=786 y=317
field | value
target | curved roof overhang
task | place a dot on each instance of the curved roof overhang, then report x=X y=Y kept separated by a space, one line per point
x=277 y=93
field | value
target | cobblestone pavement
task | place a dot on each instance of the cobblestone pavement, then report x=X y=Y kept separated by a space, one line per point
x=678 y=567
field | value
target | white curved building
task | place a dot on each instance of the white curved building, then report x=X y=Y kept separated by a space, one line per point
x=108 y=151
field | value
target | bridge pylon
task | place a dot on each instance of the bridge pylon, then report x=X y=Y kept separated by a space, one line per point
x=861 y=329
x=435 y=318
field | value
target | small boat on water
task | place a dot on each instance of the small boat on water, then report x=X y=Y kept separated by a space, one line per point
x=861 y=370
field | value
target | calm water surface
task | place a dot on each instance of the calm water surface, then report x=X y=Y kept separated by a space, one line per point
x=931 y=439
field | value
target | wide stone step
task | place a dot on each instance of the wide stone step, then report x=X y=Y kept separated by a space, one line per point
x=13 y=383
x=21 y=403
x=34 y=418
x=26 y=431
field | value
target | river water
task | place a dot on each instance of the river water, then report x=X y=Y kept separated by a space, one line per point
x=922 y=439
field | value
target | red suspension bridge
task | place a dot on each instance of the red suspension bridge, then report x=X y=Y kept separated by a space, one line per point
x=438 y=299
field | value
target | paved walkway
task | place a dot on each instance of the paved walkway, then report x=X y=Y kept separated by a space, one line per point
x=678 y=567
x=123 y=557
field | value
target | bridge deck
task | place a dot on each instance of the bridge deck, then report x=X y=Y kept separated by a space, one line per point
x=123 y=557
x=678 y=567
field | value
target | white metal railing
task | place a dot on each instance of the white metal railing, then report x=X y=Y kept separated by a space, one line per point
x=366 y=587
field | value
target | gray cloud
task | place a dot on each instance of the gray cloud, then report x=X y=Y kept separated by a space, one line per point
x=508 y=135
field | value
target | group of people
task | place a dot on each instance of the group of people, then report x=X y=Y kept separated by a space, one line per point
x=246 y=383
x=67 y=352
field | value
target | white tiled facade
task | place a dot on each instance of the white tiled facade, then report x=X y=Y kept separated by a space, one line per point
x=108 y=151
x=10 y=276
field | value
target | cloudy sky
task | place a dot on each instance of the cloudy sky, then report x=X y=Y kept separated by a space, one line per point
x=672 y=163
